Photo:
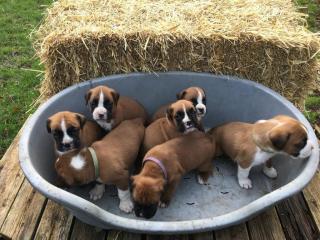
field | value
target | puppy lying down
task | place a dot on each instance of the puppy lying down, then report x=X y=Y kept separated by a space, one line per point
x=163 y=167
x=107 y=161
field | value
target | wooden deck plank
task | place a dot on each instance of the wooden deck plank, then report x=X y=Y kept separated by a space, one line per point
x=238 y=232
x=55 y=223
x=11 y=178
x=266 y=226
x=25 y=213
x=296 y=219
x=83 y=231
x=121 y=235
x=312 y=196
x=167 y=237
x=202 y=236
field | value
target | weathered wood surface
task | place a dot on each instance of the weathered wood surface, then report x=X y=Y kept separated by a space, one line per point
x=266 y=226
x=26 y=214
x=238 y=232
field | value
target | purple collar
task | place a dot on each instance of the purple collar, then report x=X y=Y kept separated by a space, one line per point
x=159 y=163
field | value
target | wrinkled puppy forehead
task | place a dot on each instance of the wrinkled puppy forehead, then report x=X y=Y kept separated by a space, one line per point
x=69 y=119
x=191 y=93
x=95 y=93
x=181 y=105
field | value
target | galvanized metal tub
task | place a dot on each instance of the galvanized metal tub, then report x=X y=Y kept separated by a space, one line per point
x=194 y=208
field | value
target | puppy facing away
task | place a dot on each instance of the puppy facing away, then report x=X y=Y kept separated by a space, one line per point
x=254 y=144
x=108 y=108
x=115 y=155
x=72 y=131
x=163 y=167
x=196 y=95
x=181 y=119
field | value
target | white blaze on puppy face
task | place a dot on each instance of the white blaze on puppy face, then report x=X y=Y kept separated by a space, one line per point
x=77 y=162
x=186 y=120
x=201 y=107
x=66 y=138
x=100 y=110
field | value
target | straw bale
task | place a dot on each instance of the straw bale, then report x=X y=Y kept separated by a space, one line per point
x=261 y=40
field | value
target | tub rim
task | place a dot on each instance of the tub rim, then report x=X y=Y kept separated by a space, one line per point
x=163 y=227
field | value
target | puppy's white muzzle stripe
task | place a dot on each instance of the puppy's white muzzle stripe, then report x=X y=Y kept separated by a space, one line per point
x=66 y=138
x=201 y=108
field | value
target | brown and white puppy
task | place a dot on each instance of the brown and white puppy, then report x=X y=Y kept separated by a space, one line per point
x=196 y=95
x=163 y=167
x=116 y=153
x=181 y=119
x=108 y=108
x=72 y=131
x=254 y=144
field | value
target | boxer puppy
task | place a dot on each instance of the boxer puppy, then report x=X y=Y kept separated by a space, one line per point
x=254 y=144
x=181 y=119
x=72 y=131
x=109 y=109
x=163 y=167
x=115 y=155
x=194 y=94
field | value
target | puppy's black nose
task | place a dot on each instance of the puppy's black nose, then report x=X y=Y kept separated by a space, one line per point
x=101 y=115
x=201 y=110
x=189 y=123
x=67 y=145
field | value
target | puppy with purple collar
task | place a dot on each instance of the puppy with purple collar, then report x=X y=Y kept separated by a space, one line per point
x=163 y=167
x=108 y=108
x=196 y=95
x=250 y=145
x=181 y=119
x=107 y=161
x=72 y=131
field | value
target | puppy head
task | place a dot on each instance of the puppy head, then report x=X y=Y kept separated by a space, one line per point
x=146 y=193
x=289 y=136
x=198 y=98
x=65 y=128
x=183 y=115
x=102 y=102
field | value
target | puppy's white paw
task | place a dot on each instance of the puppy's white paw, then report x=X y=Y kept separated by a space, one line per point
x=126 y=205
x=201 y=181
x=97 y=192
x=245 y=183
x=163 y=205
x=270 y=172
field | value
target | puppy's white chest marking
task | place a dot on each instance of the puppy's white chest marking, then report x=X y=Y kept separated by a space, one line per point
x=66 y=137
x=261 y=157
x=106 y=126
x=77 y=162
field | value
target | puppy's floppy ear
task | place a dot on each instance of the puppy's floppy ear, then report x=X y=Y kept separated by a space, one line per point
x=181 y=95
x=170 y=114
x=279 y=138
x=48 y=125
x=82 y=119
x=115 y=96
x=87 y=96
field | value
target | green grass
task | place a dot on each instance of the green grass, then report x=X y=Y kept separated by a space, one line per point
x=18 y=75
x=18 y=69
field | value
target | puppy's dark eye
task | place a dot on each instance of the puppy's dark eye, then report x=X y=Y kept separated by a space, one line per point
x=194 y=101
x=107 y=103
x=301 y=144
x=179 y=115
x=57 y=134
x=204 y=100
x=72 y=131
x=94 y=103
x=191 y=112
